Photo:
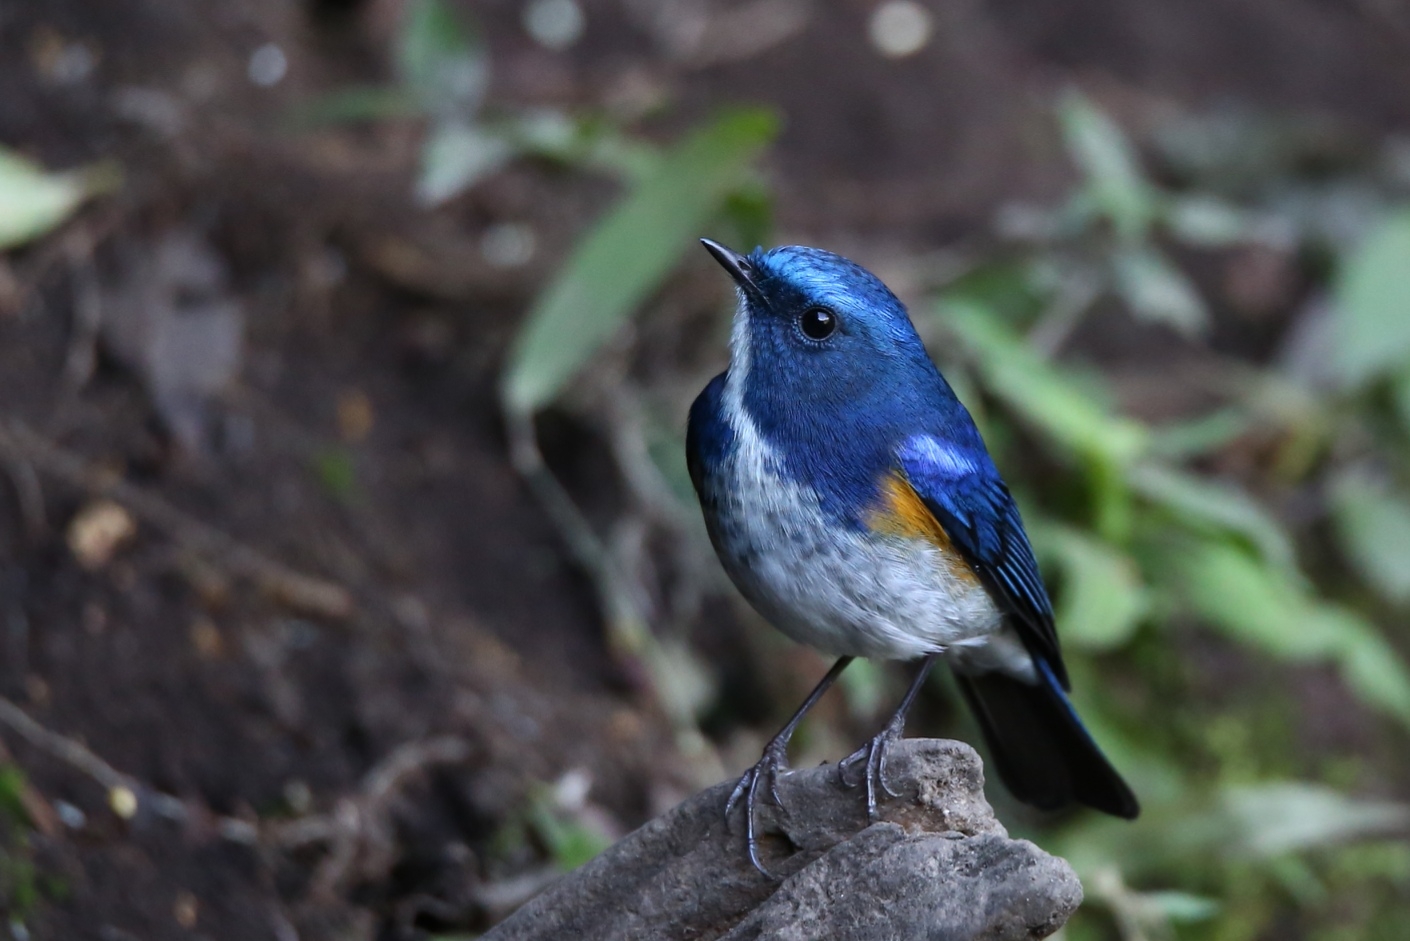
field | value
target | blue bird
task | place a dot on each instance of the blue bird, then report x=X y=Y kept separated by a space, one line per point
x=851 y=499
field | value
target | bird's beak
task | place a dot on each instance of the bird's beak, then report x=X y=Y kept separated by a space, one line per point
x=736 y=264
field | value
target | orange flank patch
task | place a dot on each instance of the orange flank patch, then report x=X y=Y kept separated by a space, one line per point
x=901 y=512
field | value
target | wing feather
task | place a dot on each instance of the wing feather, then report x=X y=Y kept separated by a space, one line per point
x=962 y=489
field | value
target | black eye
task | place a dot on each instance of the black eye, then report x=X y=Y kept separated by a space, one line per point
x=818 y=323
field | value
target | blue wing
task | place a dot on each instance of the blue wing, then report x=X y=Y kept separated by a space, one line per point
x=960 y=486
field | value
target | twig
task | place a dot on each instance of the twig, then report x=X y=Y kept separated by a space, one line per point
x=303 y=592
x=625 y=425
x=647 y=484
x=500 y=898
x=358 y=827
x=87 y=319
x=76 y=241
x=622 y=605
x=29 y=496
x=126 y=794
x=620 y=597
x=280 y=924
x=41 y=814
x=391 y=774
x=72 y=753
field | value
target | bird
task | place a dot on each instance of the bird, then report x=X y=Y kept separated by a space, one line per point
x=851 y=499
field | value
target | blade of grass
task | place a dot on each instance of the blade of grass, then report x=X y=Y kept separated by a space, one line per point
x=627 y=255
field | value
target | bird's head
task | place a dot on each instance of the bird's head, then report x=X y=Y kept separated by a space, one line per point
x=814 y=329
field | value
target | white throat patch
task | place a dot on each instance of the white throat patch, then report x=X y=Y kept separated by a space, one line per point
x=739 y=360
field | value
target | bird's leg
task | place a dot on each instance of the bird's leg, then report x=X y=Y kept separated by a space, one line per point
x=774 y=760
x=874 y=752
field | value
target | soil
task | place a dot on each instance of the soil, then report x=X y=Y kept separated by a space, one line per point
x=360 y=443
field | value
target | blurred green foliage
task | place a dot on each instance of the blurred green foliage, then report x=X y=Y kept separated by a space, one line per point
x=554 y=821
x=337 y=473
x=19 y=879
x=570 y=840
x=442 y=72
x=1147 y=549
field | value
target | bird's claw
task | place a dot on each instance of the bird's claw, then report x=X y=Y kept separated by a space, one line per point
x=873 y=753
x=770 y=765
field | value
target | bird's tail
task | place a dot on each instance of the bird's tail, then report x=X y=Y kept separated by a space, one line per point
x=1043 y=753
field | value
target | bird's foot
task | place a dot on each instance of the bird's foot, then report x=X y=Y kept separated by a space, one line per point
x=873 y=755
x=764 y=774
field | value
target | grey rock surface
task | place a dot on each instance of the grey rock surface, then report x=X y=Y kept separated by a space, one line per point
x=938 y=866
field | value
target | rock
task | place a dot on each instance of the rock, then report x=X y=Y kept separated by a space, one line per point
x=938 y=865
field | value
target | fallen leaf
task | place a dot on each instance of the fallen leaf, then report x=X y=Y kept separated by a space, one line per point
x=173 y=321
x=34 y=202
x=98 y=531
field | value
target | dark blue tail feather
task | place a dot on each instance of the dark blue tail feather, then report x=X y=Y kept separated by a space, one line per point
x=1038 y=745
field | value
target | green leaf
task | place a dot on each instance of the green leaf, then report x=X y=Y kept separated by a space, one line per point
x=1115 y=184
x=1372 y=304
x=571 y=841
x=1371 y=667
x=1373 y=527
x=592 y=142
x=1241 y=822
x=456 y=156
x=1400 y=396
x=1264 y=607
x=12 y=785
x=1049 y=399
x=750 y=210
x=627 y=255
x=442 y=62
x=1216 y=505
x=1199 y=436
x=351 y=105
x=1284 y=817
x=681 y=676
x=1101 y=598
x=1011 y=289
x=1205 y=221
x=665 y=443
x=1156 y=291
x=1251 y=602
x=338 y=474
x=34 y=202
x=1180 y=907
